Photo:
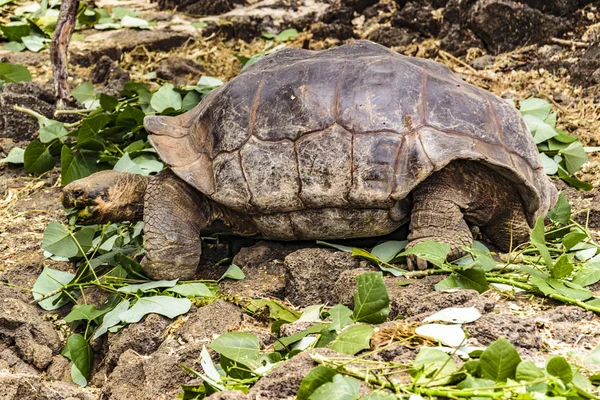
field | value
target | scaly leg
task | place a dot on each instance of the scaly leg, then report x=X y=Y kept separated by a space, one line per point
x=435 y=216
x=174 y=216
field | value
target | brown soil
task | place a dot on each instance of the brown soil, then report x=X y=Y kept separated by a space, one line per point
x=141 y=361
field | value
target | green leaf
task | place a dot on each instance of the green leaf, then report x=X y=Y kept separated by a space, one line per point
x=86 y=95
x=575 y=156
x=166 y=97
x=347 y=249
x=352 y=339
x=191 y=100
x=144 y=287
x=199 y=24
x=233 y=272
x=14 y=46
x=432 y=367
x=111 y=318
x=120 y=12
x=14 y=73
x=315 y=378
x=538 y=239
x=15 y=156
x=341 y=388
x=284 y=342
x=527 y=371
x=473 y=278
x=16 y=30
x=58 y=240
x=387 y=251
x=125 y=164
x=76 y=167
x=588 y=275
x=132 y=22
x=108 y=103
x=573 y=238
x=431 y=251
x=55 y=130
x=570 y=289
x=499 y=361
x=539 y=108
x=35 y=43
x=81 y=354
x=240 y=347
x=148 y=163
x=371 y=300
x=341 y=317
x=85 y=312
x=593 y=357
x=37 y=158
x=562 y=267
x=168 y=306
x=550 y=166
x=559 y=367
x=572 y=180
x=91 y=126
x=195 y=289
x=49 y=281
x=286 y=35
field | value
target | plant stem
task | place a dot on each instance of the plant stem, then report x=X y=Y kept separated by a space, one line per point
x=30 y=112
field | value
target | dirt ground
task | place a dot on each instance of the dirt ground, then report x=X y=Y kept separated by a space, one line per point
x=141 y=362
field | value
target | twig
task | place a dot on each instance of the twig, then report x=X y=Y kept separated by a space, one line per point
x=58 y=51
x=472 y=71
x=569 y=42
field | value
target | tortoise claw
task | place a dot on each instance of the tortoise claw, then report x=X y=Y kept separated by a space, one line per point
x=414 y=263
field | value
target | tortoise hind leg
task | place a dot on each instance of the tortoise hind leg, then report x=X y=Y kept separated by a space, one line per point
x=508 y=227
x=174 y=216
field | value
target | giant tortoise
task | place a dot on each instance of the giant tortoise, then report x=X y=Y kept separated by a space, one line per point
x=342 y=143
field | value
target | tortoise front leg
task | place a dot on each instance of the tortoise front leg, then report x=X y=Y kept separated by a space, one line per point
x=436 y=216
x=174 y=216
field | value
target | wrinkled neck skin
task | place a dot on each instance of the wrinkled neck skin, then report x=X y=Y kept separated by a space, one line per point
x=127 y=196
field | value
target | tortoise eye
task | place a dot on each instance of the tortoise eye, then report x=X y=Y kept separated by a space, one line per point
x=77 y=193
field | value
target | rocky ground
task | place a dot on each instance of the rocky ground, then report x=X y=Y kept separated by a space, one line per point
x=516 y=49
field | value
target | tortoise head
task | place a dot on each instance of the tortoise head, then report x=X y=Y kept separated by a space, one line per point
x=106 y=196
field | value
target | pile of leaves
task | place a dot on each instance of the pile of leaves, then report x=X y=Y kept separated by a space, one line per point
x=493 y=372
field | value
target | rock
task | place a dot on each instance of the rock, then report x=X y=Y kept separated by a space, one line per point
x=335 y=30
x=418 y=17
x=180 y=70
x=199 y=7
x=158 y=375
x=228 y=395
x=107 y=72
x=284 y=381
x=521 y=332
x=457 y=39
x=59 y=369
x=15 y=124
x=35 y=339
x=143 y=338
x=391 y=36
x=21 y=386
x=503 y=25
x=556 y=7
x=312 y=273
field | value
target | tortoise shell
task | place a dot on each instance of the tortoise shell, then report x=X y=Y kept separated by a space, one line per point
x=354 y=127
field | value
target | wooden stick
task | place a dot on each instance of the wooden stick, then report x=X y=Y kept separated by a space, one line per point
x=58 y=51
x=569 y=42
